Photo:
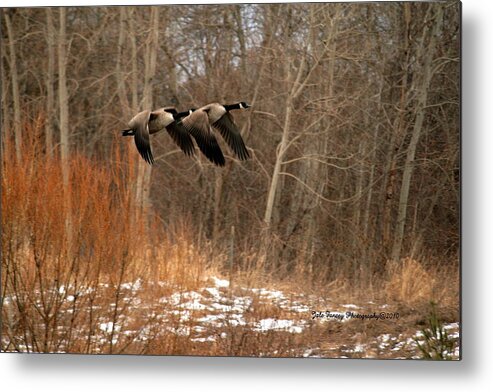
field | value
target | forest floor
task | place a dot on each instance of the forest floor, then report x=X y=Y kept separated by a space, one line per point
x=220 y=319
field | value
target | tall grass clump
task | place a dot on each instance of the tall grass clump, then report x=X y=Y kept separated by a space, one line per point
x=416 y=283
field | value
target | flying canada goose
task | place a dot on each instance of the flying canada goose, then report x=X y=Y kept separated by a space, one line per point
x=199 y=122
x=146 y=123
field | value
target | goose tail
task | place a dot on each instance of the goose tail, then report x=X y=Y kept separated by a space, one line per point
x=128 y=132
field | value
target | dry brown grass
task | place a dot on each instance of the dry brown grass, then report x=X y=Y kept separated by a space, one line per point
x=408 y=281
x=413 y=283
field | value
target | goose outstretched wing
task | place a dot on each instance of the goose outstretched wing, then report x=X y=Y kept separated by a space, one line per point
x=231 y=134
x=197 y=124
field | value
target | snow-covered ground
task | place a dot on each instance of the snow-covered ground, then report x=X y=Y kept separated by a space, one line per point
x=208 y=315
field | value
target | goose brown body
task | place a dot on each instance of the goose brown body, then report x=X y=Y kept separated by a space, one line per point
x=147 y=123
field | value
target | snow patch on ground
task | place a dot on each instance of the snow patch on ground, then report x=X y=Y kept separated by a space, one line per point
x=201 y=314
x=273 y=324
x=220 y=282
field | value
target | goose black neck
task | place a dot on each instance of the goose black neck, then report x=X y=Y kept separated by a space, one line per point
x=233 y=106
x=177 y=116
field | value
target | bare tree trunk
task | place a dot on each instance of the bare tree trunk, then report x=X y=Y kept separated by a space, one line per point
x=63 y=94
x=366 y=215
x=426 y=53
x=5 y=110
x=135 y=70
x=15 y=85
x=396 y=137
x=218 y=190
x=281 y=149
x=64 y=120
x=132 y=15
x=121 y=90
x=241 y=38
x=171 y=68
x=50 y=79
x=282 y=146
x=150 y=58
x=222 y=68
x=359 y=186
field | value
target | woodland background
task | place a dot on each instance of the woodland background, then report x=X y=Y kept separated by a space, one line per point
x=353 y=132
